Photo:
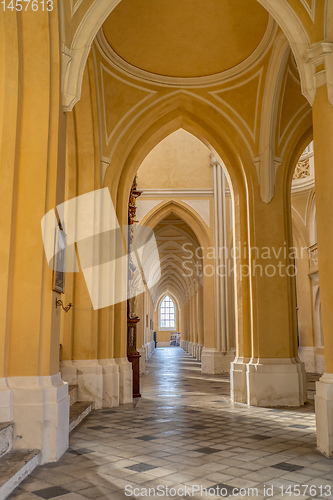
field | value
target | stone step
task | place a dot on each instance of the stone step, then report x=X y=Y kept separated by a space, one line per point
x=72 y=391
x=78 y=411
x=6 y=437
x=15 y=466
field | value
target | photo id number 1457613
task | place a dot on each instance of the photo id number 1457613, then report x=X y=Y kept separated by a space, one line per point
x=299 y=490
x=26 y=5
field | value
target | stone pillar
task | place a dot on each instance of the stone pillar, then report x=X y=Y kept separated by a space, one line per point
x=201 y=337
x=190 y=321
x=305 y=320
x=88 y=334
x=218 y=359
x=194 y=319
x=32 y=157
x=243 y=313
x=182 y=338
x=275 y=375
x=323 y=150
x=186 y=323
x=198 y=319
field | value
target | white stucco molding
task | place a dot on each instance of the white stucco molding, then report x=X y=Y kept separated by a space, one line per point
x=267 y=163
x=308 y=56
x=311 y=9
x=74 y=58
x=128 y=69
x=297 y=36
x=105 y=162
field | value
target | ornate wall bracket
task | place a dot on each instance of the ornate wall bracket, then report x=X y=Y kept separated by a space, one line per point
x=59 y=303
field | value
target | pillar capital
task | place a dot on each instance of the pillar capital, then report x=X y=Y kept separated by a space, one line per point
x=213 y=161
x=319 y=65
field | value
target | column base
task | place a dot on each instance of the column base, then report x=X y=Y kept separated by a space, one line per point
x=90 y=381
x=194 y=349
x=276 y=382
x=41 y=415
x=324 y=414
x=125 y=381
x=313 y=359
x=214 y=362
x=199 y=351
x=68 y=372
x=110 y=373
x=97 y=380
x=142 y=352
x=149 y=347
x=238 y=385
x=6 y=401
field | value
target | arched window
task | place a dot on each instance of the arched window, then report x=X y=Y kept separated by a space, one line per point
x=167 y=316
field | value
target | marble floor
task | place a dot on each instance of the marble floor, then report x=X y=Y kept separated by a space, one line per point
x=185 y=438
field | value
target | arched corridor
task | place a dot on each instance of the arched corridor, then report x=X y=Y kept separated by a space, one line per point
x=165 y=179
x=184 y=432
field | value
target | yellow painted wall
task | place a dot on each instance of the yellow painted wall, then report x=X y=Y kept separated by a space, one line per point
x=179 y=161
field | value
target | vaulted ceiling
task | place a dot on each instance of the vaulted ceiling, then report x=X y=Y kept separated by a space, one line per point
x=186 y=38
x=176 y=252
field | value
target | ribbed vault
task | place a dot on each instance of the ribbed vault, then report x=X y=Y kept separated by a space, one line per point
x=179 y=259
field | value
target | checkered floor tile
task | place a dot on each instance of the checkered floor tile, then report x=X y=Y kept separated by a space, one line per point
x=184 y=437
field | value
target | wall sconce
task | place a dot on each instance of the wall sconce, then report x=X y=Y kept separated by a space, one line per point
x=60 y=304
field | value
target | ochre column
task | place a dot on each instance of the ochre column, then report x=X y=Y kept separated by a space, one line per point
x=217 y=359
x=209 y=303
x=323 y=154
x=242 y=297
x=307 y=347
x=200 y=322
x=182 y=327
x=186 y=325
x=87 y=342
x=275 y=375
x=32 y=183
x=10 y=95
x=192 y=319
